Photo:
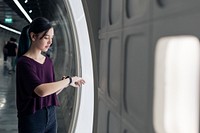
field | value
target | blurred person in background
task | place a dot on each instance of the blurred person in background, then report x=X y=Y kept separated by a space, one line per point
x=11 y=47
x=5 y=52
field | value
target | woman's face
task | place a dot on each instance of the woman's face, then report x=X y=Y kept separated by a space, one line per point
x=45 y=42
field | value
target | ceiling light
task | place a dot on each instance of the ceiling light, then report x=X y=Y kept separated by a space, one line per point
x=9 y=29
x=22 y=10
x=30 y=11
x=25 y=1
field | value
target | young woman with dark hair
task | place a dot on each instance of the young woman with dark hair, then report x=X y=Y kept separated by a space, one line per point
x=35 y=81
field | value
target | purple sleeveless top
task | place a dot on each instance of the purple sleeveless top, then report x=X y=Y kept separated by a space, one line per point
x=30 y=74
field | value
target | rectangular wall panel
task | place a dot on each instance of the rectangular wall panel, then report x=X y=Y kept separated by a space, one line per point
x=103 y=66
x=102 y=117
x=136 y=12
x=166 y=8
x=114 y=74
x=136 y=77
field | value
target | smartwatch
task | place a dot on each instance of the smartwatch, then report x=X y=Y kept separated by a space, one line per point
x=70 y=79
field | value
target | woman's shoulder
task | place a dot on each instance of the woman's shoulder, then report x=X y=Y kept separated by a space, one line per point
x=23 y=60
x=24 y=64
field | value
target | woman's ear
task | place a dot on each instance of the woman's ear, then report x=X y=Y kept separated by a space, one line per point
x=33 y=36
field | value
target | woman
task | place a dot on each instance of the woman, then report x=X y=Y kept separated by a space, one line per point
x=36 y=86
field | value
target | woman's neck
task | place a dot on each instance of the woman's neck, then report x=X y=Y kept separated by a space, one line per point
x=34 y=53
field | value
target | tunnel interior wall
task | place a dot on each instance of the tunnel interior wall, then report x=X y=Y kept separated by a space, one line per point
x=128 y=34
x=92 y=14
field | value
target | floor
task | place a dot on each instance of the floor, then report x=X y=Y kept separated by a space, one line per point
x=8 y=117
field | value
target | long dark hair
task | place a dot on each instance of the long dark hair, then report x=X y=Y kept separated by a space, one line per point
x=37 y=26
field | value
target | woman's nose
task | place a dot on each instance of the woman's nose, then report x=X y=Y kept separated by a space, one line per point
x=50 y=41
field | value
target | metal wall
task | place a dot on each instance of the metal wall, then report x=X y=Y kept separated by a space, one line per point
x=129 y=31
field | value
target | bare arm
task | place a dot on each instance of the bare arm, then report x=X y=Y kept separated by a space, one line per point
x=56 y=87
x=50 y=88
x=58 y=92
x=64 y=77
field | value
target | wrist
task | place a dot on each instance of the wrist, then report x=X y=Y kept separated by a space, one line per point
x=70 y=79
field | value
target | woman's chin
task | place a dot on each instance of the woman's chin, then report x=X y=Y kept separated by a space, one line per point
x=45 y=50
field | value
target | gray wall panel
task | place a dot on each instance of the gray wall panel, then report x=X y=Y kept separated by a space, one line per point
x=109 y=121
x=104 y=14
x=103 y=72
x=136 y=11
x=183 y=24
x=114 y=74
x=127 y=127
x=115 y=7
x=170 y=7
x=111 y=15
x=140 y=23
x=115 y=14
x=136 y=77
x=114 y=124
x=102 y=117
x=125 y=48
